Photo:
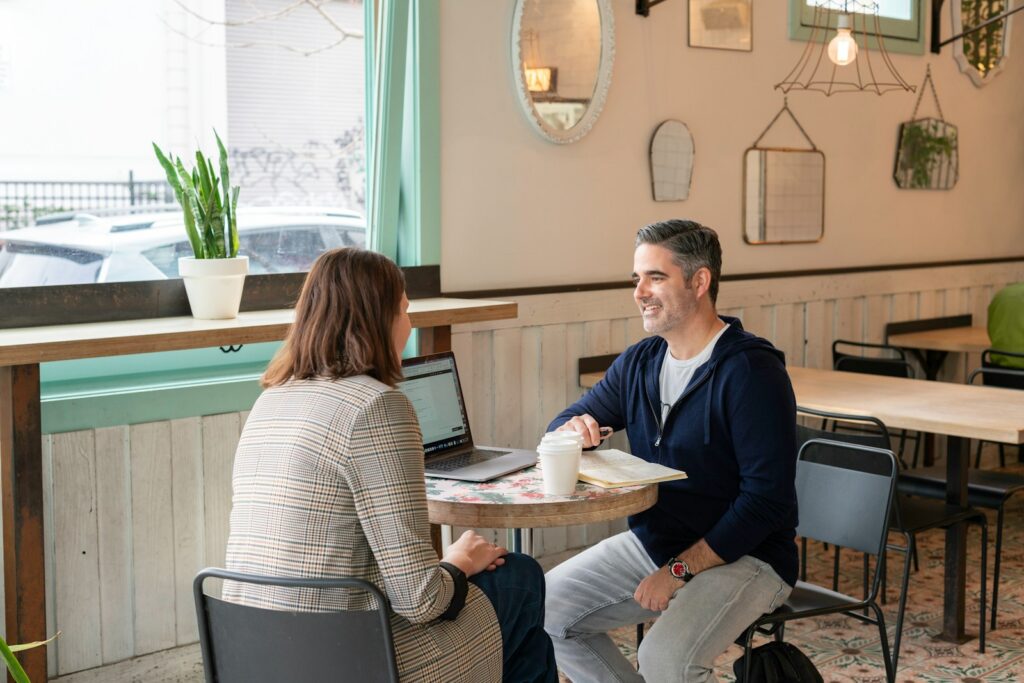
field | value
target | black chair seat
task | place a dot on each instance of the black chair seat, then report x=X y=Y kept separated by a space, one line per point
x=807 y=596
x=985 y=488
x=921 y=514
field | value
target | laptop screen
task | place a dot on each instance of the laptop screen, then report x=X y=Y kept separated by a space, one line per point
x=432 y=385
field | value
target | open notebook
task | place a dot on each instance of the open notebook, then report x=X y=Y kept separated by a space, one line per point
x=611 y=467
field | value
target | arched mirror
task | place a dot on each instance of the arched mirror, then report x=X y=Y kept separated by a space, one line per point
x=562 y=52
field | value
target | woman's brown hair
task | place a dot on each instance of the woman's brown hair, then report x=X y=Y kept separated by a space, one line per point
x=343 y=321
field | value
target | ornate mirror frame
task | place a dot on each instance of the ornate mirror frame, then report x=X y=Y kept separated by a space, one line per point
x=604 y=77
x=962 y=60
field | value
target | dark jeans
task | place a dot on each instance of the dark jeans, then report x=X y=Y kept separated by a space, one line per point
x=516 y=590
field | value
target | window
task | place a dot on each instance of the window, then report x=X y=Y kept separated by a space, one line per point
x=900 y=21
x=283 y=85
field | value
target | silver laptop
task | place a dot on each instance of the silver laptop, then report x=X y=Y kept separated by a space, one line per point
x=432 y=384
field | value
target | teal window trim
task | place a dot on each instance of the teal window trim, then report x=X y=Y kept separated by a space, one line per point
x=419 y=224
x=386 y=88
x=904 y=36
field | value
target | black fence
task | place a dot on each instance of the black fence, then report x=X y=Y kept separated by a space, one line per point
x=23 y=201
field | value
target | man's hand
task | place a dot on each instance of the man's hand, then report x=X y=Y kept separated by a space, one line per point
x=589 y=428
x=656 y=590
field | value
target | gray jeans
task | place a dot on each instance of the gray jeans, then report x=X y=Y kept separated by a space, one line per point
x=592 y=593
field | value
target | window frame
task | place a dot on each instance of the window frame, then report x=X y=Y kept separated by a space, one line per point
x=71 y=387
x=905 y=36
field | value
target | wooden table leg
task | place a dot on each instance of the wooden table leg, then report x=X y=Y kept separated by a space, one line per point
x=22 y=483
x=954 y=584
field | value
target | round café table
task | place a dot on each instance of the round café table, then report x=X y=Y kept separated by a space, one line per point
x=517 y=501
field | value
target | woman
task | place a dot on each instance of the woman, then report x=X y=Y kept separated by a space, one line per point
x=328 y=481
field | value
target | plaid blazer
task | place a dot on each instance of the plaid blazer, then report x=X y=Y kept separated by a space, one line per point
x=328 y=481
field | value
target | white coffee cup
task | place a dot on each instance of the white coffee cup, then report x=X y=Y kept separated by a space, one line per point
x=560 y=461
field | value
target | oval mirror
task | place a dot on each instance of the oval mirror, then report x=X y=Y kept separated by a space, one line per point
x=562 y=52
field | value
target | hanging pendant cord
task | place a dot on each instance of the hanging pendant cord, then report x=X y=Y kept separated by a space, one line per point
x=786 y=109
x=927 y=80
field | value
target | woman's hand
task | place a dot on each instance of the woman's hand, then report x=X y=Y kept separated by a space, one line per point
x=472 y=553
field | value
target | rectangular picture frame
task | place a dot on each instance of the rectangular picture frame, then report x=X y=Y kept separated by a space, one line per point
x=721 y=24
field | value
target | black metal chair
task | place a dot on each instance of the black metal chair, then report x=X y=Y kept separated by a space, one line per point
x=886 y=360
x=243 y=644
x=986 y=489
x=993 y=374
x=910 y=516
x=844 y=506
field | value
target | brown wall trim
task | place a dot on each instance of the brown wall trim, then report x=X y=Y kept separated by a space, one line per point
x=733 y=277
x=68 y=304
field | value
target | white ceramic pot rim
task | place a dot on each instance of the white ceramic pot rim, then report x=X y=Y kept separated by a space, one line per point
x=190 y=266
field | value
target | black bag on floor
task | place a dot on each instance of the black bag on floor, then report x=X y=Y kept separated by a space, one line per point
x=776 y=662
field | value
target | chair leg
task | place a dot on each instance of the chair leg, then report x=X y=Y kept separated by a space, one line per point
x=639 y=634
x=803 y=558
x=984 y=580
x=917 y=447
x=917 y=565
x=999 y=559
x=1002 y=455
x=747 y=643
x=890 y=667
x=902 y=609
x=977 y=455
x=835 y=570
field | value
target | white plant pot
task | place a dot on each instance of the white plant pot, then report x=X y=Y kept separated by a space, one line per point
x=214 y=285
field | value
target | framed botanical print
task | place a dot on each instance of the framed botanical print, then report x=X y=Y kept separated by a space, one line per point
x=722 y=24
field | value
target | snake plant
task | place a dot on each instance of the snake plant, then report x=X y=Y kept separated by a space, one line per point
x=209 y=202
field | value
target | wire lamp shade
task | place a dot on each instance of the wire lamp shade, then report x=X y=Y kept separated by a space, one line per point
x=870 y=71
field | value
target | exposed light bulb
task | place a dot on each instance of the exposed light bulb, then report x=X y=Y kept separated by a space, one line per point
x=842 y=49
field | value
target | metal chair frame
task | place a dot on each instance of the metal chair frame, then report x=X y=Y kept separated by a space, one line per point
x=910 y=516
x=370 y=631
x=809 y=484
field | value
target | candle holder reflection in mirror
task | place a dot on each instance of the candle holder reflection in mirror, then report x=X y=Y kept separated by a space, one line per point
x=721 y=24
x=783 y=191
x=671 y=161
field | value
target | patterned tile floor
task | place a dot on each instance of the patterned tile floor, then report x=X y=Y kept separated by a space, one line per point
x=847 y=651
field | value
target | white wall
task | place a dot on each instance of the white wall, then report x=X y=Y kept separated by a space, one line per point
x=520 y=211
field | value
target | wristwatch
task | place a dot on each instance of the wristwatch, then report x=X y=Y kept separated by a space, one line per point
x=680 y=570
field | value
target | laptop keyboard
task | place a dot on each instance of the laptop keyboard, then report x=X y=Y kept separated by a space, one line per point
x=465 y=459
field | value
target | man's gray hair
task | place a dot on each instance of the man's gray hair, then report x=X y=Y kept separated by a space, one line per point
x=693 y=246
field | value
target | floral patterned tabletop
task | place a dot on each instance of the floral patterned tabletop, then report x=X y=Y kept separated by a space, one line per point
x=518 y=488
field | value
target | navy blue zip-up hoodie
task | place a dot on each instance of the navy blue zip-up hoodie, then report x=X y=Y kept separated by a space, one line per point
x=733 y=431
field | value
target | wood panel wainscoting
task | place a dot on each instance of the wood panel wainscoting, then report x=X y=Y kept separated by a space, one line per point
x=518 y=374
x=133 y=511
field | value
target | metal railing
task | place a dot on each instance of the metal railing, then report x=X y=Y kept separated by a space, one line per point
x=23 y=201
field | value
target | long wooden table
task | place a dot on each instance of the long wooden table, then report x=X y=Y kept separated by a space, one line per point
x=959 y=411
x=23 y=349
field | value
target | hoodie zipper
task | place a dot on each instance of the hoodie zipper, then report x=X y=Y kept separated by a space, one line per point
x=686 y=392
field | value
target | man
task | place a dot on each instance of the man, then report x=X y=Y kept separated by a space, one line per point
x=717 y=550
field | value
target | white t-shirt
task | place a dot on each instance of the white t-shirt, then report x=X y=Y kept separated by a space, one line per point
x=676 y=374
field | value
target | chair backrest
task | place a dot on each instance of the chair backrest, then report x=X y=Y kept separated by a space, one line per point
x=848 y=507
x=848 y=356
x=994 y=374
x=242 y=643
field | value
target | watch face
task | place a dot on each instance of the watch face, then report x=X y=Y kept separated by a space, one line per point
x=678 y=569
